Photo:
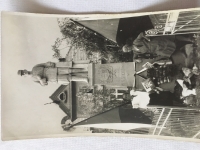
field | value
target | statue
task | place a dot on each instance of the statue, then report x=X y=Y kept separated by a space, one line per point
x=51 y=72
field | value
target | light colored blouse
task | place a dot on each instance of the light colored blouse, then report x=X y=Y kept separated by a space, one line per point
x=141 y=99
x=186 y=92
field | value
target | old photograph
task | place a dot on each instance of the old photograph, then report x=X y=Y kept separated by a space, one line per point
x=71 y=75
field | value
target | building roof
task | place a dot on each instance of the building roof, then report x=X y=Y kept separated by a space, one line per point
x=107 y=28
x=66 y=107
x=118 y=115
x=57 y=92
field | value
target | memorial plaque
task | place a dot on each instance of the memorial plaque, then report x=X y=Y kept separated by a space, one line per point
x=115 y=74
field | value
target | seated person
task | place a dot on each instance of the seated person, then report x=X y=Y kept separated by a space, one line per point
x=188 y=88
x=190 y=100
x=188 y=73
x=143 y=99
x=164 y=98
x=188 y=83
x=140 y=99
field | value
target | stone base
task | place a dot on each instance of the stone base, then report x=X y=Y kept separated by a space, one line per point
x=114 y=74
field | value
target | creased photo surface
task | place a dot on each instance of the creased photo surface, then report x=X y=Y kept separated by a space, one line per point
x=103 y=75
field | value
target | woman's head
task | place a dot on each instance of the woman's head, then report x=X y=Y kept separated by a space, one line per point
x=187 y=72
x=190 y=100
x=126 y=48
x=133 y=92
x=127 y=96
x=192 y=82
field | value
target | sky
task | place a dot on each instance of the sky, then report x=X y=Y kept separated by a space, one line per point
x=26 y=41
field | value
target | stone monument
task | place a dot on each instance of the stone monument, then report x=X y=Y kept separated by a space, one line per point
x=113 y=74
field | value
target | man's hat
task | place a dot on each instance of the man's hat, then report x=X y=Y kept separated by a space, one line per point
x=20 y=72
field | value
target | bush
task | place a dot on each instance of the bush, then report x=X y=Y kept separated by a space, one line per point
x=80 y=37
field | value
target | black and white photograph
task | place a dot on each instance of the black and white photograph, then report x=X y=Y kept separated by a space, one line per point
x=120 y=74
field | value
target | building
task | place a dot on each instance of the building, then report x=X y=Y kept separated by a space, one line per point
x=65 y=97
x=122 y=118
x=79 y=101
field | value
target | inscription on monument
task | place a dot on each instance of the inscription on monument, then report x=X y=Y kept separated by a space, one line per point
x=123 y=76
x=106 y=74
x=116 y=74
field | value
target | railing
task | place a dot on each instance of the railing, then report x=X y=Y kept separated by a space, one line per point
x=175 y=23
x=175 y=121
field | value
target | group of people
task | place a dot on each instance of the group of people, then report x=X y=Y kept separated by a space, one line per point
x=160 y=97
x=188 y=85
x=156 y=47
x=162 y=48
x=143 y=47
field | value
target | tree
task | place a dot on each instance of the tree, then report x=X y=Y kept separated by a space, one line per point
x=80 y=37
x=97 y=102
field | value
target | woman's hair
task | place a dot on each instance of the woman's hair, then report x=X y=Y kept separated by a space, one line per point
x=127 y=96
x=190 y=100
x=126 y=48
x=129 y=41
x=193 y=82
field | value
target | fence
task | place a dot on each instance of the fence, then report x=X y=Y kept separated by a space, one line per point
x=183 y=22
x=176 y=122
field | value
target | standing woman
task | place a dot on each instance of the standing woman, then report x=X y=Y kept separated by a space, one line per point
x=159 y=46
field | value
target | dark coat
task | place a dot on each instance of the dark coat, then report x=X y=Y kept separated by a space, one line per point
x=165 y=98
x=131 y=28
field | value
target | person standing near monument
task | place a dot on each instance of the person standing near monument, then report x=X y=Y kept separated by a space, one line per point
x=50 y=72
x=157 y=47
x=140 y=99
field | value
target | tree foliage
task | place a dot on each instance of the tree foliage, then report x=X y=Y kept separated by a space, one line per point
x=80 y=37
x=97 y=102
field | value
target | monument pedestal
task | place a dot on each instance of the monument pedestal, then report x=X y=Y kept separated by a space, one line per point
x=114 y=74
